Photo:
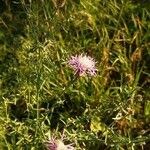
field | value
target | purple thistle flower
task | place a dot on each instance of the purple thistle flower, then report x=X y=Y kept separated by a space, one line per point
x=51 y=144
x=57 y=144
x=83 y=65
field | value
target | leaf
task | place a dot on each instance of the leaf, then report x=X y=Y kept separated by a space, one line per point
x=147 y=110
x=96 y=125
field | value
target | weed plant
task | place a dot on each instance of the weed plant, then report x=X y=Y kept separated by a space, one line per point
x=41 y=97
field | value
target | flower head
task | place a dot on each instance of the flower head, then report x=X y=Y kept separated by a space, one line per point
x=57 y=144
x=82 y=65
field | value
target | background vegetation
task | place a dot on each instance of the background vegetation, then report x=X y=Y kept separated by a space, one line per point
x=108 y=111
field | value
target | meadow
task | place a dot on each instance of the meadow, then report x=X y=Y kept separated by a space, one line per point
x=45 y=103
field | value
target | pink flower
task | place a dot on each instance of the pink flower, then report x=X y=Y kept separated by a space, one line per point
x=57 y=144
x=83 y=65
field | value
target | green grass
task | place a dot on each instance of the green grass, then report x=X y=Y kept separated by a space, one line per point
x=37 y=94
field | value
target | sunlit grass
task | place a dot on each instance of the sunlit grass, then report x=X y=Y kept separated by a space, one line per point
x=42 y=97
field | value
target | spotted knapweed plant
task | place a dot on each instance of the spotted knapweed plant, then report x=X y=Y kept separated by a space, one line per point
x=58 y=144
x=83 y=65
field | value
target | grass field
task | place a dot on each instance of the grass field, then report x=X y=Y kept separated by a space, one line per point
x=44 y=102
